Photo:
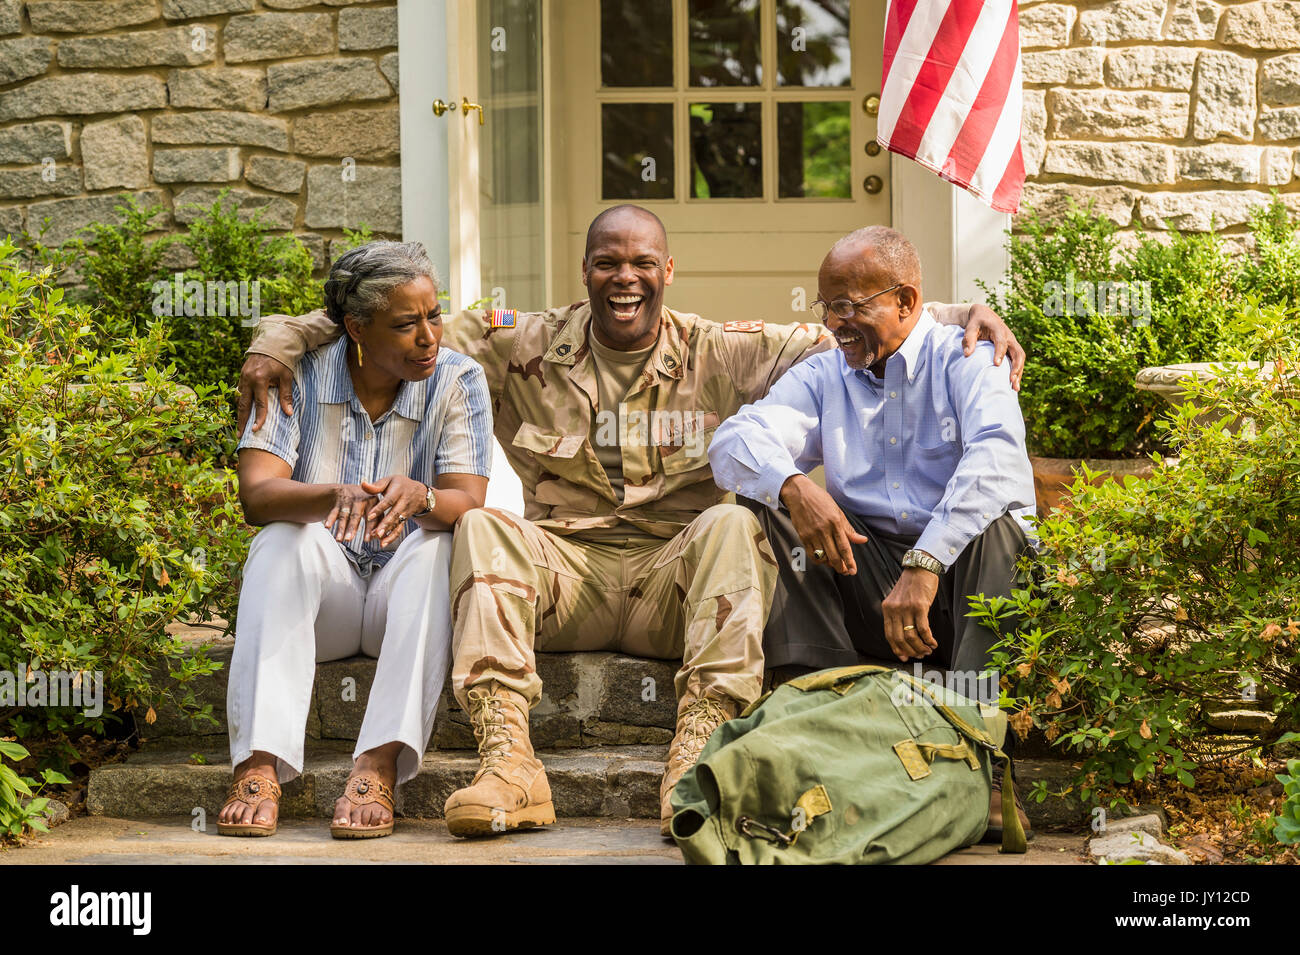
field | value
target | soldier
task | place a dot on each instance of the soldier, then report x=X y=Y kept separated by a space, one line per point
x=605 y=409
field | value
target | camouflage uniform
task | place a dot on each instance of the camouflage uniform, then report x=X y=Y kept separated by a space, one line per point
x=668 y=570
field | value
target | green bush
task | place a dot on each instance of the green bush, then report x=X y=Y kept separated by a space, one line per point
x=241 y=272
x=1092 y=315
x=113 y=520
x=1158 y=600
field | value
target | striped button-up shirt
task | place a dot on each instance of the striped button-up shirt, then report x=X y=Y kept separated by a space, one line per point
x=441 y=425
x=934 y=451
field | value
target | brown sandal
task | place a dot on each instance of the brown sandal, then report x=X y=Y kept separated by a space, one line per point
x=253 y=790
x=361 y=790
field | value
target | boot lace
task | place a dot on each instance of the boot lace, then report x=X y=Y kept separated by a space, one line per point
x=697 y=723
x=490 y=729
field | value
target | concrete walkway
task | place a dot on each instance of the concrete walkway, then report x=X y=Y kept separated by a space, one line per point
x=100 y=840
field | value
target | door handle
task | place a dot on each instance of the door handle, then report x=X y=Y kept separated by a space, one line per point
x=466 y=106
x=873 y=185
x=871 y=104
x=439 y=107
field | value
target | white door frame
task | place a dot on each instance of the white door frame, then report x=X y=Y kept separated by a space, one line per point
x=959 y=238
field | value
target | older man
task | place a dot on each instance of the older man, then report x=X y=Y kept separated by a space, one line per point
x=928 y=486
x=605 y=409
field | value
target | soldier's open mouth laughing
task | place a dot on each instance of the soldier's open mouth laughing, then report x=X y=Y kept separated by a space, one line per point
x=625 y=307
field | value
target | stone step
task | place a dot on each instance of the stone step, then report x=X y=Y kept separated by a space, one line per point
x=588 y=700
x=613 y=782
x=609 y=782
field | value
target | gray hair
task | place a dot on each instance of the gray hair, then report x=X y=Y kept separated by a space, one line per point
x=890 y=248
x=361 y=281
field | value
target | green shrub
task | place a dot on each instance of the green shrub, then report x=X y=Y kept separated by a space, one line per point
x=1077 y=392
x=1273 y=273
x=113 y=520
x=1160 y=599
x=1286 y=824
x=210 y=310
x=120 y=264
x=1169 y=301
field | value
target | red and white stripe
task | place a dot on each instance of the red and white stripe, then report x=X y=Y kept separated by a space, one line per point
x=951 y=96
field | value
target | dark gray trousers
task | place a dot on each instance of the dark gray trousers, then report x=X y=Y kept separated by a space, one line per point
x=822 y=619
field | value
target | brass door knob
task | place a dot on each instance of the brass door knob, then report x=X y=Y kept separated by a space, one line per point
x=466 y=106
x=873 y=185
x=871 y=104
x=439 y=107
x=872 y=148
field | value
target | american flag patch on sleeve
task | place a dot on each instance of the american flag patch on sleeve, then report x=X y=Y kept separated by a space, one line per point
x=503 y=318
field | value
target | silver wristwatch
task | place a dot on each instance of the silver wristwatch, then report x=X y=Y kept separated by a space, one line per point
x=430 y=502
x=919 y=558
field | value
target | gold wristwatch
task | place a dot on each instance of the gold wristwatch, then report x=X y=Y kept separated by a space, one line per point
x=430 y=502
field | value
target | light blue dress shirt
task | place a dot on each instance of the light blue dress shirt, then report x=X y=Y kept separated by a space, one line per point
x=935 y=451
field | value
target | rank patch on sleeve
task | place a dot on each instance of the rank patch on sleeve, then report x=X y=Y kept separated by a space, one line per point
x=503 y=318
x=747 y=326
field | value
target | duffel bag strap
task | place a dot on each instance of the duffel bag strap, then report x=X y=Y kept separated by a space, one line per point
x=1013 y=833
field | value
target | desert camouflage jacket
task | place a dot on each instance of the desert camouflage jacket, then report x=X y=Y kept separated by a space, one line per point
x=545 y=400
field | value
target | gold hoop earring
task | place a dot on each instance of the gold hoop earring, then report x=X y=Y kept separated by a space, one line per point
x=359 y=361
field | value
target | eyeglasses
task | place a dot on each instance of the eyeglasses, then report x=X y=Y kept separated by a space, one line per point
x=843 y=309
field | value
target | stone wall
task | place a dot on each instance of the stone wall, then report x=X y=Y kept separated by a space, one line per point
x=292 y=104
x=1166 y=112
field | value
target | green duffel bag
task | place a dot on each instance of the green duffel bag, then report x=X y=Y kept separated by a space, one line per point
x=856 y=765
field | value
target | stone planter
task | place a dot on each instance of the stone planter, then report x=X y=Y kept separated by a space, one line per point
x=1171 y=381
x=1053 y=477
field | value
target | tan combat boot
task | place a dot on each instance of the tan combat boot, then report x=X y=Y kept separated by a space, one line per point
x=696 y=721
x=510 y=790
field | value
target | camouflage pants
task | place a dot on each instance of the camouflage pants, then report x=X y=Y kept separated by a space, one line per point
x=701 y=597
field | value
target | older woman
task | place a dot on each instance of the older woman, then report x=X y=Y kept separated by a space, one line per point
x=390 y=441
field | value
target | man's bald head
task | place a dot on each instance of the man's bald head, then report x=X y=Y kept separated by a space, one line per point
x=883 y=251
x=622 y=217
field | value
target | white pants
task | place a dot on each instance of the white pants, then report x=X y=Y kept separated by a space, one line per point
x=302 y=603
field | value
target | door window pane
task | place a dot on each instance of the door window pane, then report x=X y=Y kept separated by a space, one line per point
x=812 y=43
x=637 y=150
x=814 y=159
x=636 y=43
x=726 y=151
x=724 y=43
x=510 y=219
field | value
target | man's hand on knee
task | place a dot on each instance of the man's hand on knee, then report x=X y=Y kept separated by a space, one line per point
x=259 y=374
x=907 y=614
x=822 y=527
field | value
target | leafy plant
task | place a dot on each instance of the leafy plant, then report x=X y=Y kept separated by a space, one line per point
x=1092 y=315
x=113 y=519
x=21 y=806
x=1077 y=393
x=1156 y=600
x=120 y=265
x=1286 y=825
x=210 y=309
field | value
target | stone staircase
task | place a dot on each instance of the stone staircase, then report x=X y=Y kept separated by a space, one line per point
x=602 y=729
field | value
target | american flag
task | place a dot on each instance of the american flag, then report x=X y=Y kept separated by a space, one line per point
x=951 y=97
x=503 y=318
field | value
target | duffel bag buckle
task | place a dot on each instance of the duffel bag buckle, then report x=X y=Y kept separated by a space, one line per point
x=744 y=824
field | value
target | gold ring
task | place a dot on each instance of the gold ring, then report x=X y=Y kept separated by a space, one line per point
x=909 y=627
x=819 y=554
